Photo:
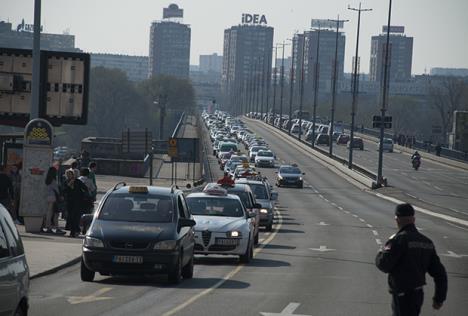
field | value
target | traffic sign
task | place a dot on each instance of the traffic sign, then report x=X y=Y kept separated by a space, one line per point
x=377 y=121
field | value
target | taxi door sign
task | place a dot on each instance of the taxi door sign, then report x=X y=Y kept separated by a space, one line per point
x=172 y=148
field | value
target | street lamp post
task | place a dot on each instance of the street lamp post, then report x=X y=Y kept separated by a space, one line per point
x=301 y=99
x=380 y=180
x=316 y=85
x=282 y=88
x=335 y=70
x=291 y=80
x=355 y=85
x=275 y=75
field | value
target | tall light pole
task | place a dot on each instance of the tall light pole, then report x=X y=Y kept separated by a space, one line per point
x=275 y=75
x=384 y=99
x=257 y=87
x=36 y=71
x=282 y=88
x=301 y=99
x=355 y=84
x=291 y=80
x=335 y=75
x=316 y=85
x=262 y=103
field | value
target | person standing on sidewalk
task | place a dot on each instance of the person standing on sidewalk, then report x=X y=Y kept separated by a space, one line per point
x=6 y=191
x=84 y=177
x=407 y=256
x=53 y=197
x=75 y=192
x=15 y=177
x=92 y=176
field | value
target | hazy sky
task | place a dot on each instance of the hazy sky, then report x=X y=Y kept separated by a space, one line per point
x=439 y=28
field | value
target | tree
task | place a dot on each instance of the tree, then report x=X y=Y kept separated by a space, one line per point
x=448 y=95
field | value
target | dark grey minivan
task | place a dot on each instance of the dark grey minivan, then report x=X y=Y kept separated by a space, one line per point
x=14 y=271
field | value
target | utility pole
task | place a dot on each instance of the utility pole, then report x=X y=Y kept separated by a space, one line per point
x=384 y=99
x=275 y=75
x=282 y=88
x=251 y=86
x=36 y=71
x=316 y=85
x=291 y=80
x=335 y=75
x=268 y=81
x=262 y=99
x=301 y=99
x=257 y=86
x=355 y=84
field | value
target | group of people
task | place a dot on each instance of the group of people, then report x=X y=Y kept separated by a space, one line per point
x=73 y=196
x=10 y=188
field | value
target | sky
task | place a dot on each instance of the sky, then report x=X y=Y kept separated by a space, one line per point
x=439 y=28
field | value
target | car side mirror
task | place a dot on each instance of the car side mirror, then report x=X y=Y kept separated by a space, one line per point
x=186 y=222
x=274 y=196
x=257 y=205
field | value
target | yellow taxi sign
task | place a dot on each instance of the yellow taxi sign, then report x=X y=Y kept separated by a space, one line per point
x=245 y=164
x=136 y=189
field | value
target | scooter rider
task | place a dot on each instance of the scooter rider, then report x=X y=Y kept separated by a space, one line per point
x=226 y=180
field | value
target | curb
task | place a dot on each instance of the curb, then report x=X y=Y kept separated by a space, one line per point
x=56 y=269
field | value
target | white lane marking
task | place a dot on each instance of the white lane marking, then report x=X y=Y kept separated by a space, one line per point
x=347 y=212
x=378 y=241
x=227 y=276
x=375 y=233
x=322 y=249
x=369 y=225
x=456 y=226
x=354 y=215
x=427 y=212
x=287 y=311
x=326 y=200
x=413 y=196
x=323 y=224
x=340 y=208
x=321 y=196
x=362 y=220
x=453 y=255
x=334 y=204
x=94 y=297
x=437 y=188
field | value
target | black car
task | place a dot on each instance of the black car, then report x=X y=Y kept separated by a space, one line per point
x=289 y=176
x=140 y=230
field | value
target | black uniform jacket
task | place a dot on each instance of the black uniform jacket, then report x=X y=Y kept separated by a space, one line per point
x=406 y=257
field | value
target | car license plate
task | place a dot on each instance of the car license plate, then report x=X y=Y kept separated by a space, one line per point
x=227 y=242
x=128 y=259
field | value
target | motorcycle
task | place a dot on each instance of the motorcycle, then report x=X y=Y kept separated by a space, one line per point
x=416 y=163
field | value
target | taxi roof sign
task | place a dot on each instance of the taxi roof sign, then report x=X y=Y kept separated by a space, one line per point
x=138 y=189
x=215 y=189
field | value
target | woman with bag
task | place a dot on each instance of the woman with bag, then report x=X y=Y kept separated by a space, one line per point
x=76 y=194
x=53 y=197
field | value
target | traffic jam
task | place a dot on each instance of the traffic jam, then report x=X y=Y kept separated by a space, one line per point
x=148 y=230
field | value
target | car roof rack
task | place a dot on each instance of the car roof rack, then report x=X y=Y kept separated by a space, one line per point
x=119 y=185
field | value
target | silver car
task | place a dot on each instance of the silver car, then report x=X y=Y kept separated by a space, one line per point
x=14 y=270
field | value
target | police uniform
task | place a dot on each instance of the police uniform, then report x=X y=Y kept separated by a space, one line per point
x=406 y=257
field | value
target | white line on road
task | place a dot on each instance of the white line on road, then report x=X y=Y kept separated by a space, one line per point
x=437 y=188
x=340 y=208
x=287 y=311
x=334 y=204
x=362 y=220
x=427 y=212
x=347 y=212
x=369 y=225
x=354 y=215
x=321 y=196
x=375 y=233
x=378 y=241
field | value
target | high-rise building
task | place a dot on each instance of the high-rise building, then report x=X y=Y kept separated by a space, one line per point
x=211 y=63
x=169 y=52
x=135 y=67
x=22 y=37
x=455 y=72
x=246 y=65
x=326 y=58
x=400 y=55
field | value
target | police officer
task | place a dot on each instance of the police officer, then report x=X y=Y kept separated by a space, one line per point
x=406 y=257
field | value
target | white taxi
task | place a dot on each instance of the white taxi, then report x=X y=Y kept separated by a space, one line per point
x=224 y=227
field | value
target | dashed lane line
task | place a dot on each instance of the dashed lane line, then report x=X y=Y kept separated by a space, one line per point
x=378 y=241
x=369 y=225
x=362 y=220
x=228 y=276
x=375 y=233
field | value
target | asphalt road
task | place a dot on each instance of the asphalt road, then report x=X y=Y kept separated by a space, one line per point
x=319 y=260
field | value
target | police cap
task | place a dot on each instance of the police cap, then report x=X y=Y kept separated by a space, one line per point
x=403 y=210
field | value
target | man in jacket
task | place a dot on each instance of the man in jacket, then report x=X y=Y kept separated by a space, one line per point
x=406 y=257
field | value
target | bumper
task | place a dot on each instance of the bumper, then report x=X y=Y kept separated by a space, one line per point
x=295 y=182
x=153 y=262
x=266 y=219
x=265 y=163
x=212 y=247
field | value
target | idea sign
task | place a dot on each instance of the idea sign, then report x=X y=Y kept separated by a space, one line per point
x=254 y=19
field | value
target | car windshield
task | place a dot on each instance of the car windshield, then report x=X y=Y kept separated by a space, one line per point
x=255 y=148
x=265 y=154
x=244 y=196
x=137 y=208
x=259 y=191
x=290 y=170
x=228 y=147
x=215 y=206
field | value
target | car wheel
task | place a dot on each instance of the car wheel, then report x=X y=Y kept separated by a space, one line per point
x=256 y=239
x=247 y=257
x=269 y=227
x=86 y=274
x=187 y=271
x=175 y=274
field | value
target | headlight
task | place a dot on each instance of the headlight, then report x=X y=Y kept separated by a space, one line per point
x=300 y=178
x=280 y=177
x=165 y=245
x=264 y=211
x=91 y=242
x=234 y=234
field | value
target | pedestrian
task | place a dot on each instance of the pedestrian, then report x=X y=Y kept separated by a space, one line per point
x=53 y=198
x=15 y=177
x=75 y=193
x=92 y=175
x=74 y=168
x=89 y=200
x=406 y=257
x=6 y=191
x=438 y=149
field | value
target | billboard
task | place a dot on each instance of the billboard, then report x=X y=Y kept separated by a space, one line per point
x=64 y=87
x=326 y=24
x=254 y=19
x=393 y=29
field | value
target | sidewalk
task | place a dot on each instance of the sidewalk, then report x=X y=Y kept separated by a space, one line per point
x=48 y=253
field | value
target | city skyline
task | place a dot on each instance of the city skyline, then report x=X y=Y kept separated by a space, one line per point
x=207 y=30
